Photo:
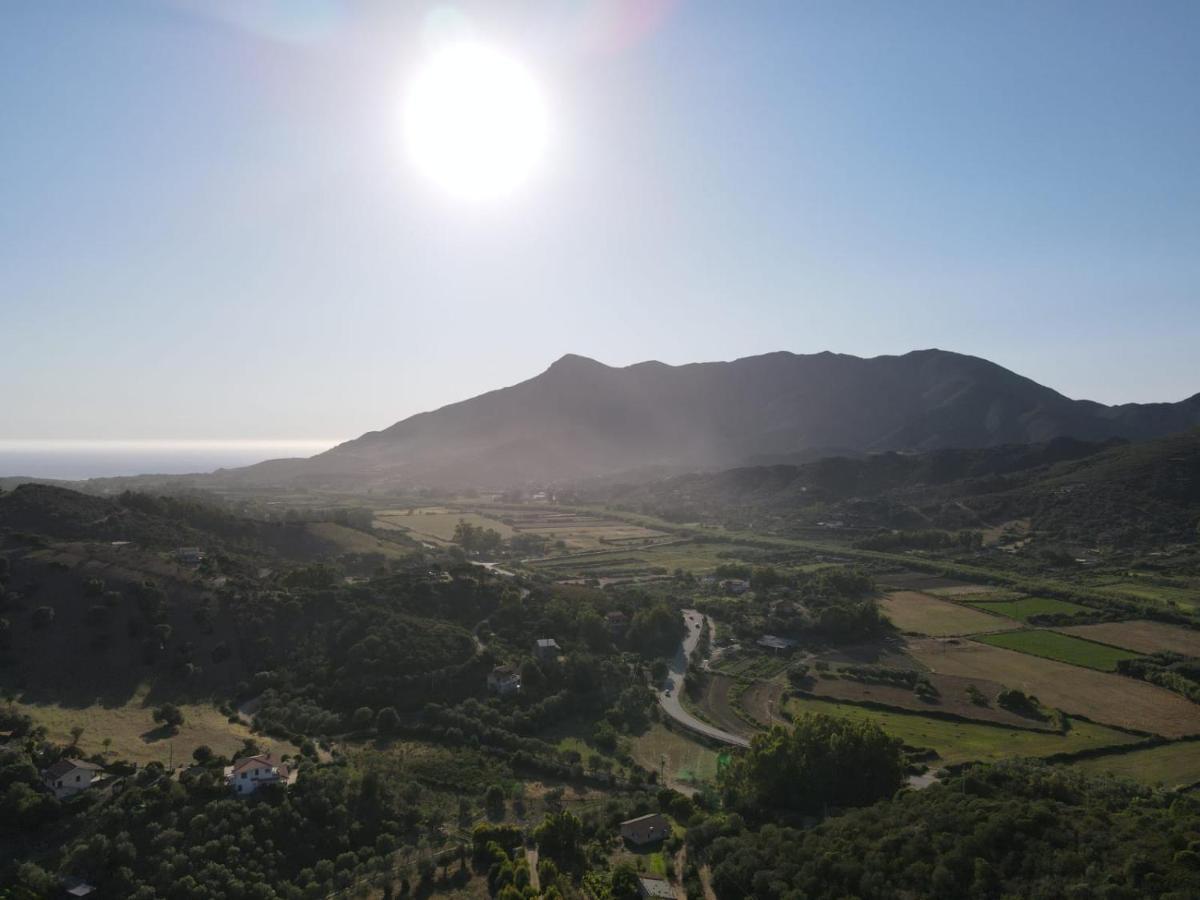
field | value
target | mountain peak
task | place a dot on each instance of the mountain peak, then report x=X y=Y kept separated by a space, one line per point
x=581 y=418
x=575 y=362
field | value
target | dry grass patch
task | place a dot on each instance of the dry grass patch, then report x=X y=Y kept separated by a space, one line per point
x=952 y=698
x=1141 y=636
x=1100 y=696
x=135 y=735
x=919 y=613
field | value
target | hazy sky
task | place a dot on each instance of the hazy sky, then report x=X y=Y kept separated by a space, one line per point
x=209 y=229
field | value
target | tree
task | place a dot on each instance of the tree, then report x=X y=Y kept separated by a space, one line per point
x=169 y=715
x=624 y=882
x=493 y=800
x=821 y=760
x=76 y=734
x=387 y=721
x=558 y=837
x=363 y=716
x=43 y=617
x=202 y=754
x=656 y=631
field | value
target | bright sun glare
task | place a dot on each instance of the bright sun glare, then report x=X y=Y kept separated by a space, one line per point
x=475 y=121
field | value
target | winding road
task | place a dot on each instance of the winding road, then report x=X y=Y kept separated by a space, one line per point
x=668 y=694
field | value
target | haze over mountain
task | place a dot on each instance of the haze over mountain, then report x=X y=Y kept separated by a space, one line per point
x=581 y=418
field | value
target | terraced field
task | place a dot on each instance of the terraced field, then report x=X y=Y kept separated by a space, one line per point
x=952 y=698
x=959 y=742
x=1063 y=647
x=1100 y=696
x=633 y=559
x=438 y=526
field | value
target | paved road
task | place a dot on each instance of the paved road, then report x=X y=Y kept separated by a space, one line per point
x=668 y=694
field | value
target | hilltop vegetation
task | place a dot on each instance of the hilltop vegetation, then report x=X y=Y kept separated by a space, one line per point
x=1125 y=495
x=1009 y=830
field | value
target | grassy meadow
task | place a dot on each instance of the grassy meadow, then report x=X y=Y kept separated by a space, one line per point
x=959 y=742
x=1062 y=647
x=134 y=734
x=1023 y=608
x=1169 y=765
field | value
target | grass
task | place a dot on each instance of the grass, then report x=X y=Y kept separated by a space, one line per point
x=1171 y=765
x=1021 y=609
x=689 y=556
x=1062 y=647
x=1142 y=636
x=959 y=742
x=688 y=762
x=919 y=613
x=1185 y=596
x=136 y=737
x=1101 y=696
x=351 y=540
x=440 y=526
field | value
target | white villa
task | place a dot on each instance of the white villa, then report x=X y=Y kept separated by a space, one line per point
x=250 y=773
x=70 y=776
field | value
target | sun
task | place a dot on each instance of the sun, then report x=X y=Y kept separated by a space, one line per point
x=475 y=121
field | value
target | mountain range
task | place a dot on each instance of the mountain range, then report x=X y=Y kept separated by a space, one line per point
x=582 y=419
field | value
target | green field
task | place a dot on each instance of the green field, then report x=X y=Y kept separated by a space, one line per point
x=686 y=761
x=135 y=736
x=1171 y=765
x=438 y=526
x=1025 y=607
x=1180 y=594
x=1062 y=647
x=959 y=742
x=631 y=559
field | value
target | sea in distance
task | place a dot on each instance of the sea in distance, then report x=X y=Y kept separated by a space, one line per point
x=73 y=460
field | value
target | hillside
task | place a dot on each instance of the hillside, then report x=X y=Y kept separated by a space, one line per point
x=582 y=419
x=1104 y=492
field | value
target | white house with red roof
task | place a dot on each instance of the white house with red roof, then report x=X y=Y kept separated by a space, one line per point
x=250 y=773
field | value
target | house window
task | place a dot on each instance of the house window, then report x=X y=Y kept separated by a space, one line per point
x=243 y=774
x=76 y=777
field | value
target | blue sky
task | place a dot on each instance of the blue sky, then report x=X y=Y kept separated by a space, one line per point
x=209 y=228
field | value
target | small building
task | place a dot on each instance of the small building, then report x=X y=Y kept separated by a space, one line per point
x=189 y=556
x=70 y=776
x=645 y=830
x=656 y=887
x=504 y=680
x=546 y=648
x=617 y=622
x=250 y=773
x=735 y=586
x=775 y=643
x=77 y=887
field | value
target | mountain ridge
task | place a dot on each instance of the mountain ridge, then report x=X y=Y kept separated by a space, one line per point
x=581 y=418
